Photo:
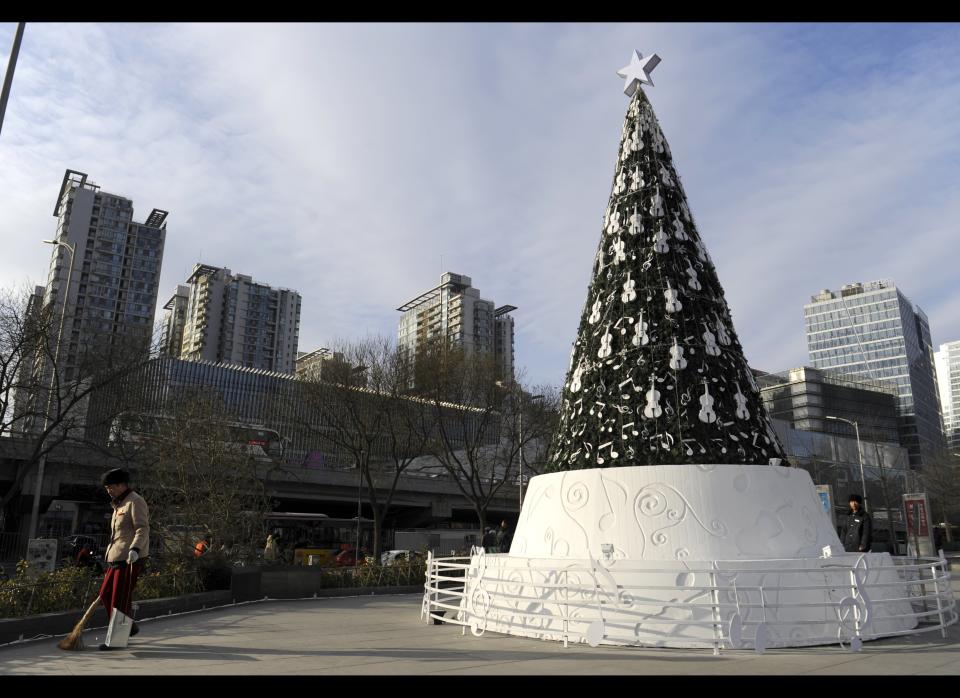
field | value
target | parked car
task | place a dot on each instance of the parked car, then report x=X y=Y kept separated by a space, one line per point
x=348 y=558
x=391 y=557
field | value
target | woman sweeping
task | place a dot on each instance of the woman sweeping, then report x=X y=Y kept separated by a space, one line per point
x=129 y=544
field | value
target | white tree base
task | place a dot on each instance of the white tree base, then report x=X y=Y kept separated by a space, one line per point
x=684 y=556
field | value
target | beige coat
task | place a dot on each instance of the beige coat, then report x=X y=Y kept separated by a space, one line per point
x=129 y=527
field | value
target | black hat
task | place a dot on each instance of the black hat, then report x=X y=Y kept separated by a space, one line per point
x=116 y=476
x=856 y=498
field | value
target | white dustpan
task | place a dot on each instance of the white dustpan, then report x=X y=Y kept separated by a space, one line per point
x=118 y=631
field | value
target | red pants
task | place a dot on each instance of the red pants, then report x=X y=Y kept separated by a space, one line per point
x=117 y=588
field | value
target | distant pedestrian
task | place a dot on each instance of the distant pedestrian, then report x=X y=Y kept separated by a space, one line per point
x=270 y=551
x=858 y=529
x=489 y=541
x=128 y=547
x=503 y=537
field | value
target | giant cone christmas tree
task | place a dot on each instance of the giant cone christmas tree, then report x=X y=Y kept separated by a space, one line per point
x=657 y=374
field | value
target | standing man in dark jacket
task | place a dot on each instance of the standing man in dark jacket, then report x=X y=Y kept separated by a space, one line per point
x=858 y=529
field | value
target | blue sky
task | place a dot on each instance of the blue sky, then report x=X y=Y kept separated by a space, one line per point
x=345 y=161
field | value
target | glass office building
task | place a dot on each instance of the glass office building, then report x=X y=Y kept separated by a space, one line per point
x=873 y=331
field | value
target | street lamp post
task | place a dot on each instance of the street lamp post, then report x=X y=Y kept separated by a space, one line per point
x=863 y=482
x=11 y=66
x=357 y=370
x=520 y=436
x=35 y=511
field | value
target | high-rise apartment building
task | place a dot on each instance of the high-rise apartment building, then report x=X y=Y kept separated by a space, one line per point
x=231 y=319
x=948 y=379
x=873 y=331
x=174 y=319
x=112 y=292
x=454 y=311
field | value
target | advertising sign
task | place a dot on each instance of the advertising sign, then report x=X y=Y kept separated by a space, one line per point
x=42 y=554
x=825 y=492
x=919 y=526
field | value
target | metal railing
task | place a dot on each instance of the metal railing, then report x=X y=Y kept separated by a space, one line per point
x=468 y=592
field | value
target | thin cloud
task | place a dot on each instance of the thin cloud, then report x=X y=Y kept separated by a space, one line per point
x=346 y=160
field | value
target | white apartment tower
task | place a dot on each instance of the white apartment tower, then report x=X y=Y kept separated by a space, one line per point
x=112 y=294
x=948 y=381
x=455 y=311
x=230 y=318
x=174 y=320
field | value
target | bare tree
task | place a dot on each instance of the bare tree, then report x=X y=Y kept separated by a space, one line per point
x=198 y=478
x=474 y=417
x=48 y=400
x=941 y=478
x=358 y=404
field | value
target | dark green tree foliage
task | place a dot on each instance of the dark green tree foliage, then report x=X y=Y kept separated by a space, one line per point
x=657 y=374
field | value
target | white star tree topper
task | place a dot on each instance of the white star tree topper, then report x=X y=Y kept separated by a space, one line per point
x=638 y=71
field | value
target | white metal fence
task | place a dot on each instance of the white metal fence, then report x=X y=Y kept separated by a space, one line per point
x=805 y=602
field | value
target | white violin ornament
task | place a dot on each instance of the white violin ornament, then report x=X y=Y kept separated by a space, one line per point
x=605 y=348
x=722 y=331
x=710 y=341
x=635 y=142
x=629 y=290
x=673 y=303
x=595 y=312
x=707 y=415
x=612 y=222
x=677 y=362
x=685 y=211
x=656 y=205
x=640 y=337
x=742 y=412
x=665 y=176
x=660 y=241
x=636 y=179
x=693 y=282
x=618 y=250
x=636 y=222
x=620 y=185
x=575 y=380
x=679 y=232
x=653 y=409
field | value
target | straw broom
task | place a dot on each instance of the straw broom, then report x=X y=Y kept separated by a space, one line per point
x=74 y=641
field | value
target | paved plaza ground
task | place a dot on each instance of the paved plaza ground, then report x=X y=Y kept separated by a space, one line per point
x=384 y=635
